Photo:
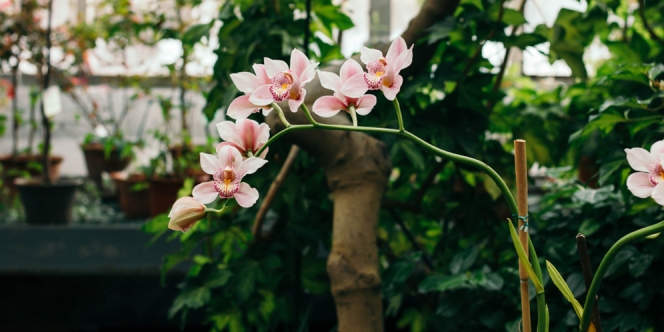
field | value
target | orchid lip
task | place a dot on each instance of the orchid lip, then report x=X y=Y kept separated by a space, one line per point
x=226 y=182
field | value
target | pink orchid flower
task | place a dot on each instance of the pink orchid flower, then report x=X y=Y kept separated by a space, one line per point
x=185 y=213
x=331 y=105
x=649 y=181
x=246 y=82
x=227 y=170
x=286 y=83
x=245 y=135
x=382 y=72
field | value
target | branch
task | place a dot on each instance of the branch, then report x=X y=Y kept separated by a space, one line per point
x=642 y=14
x=272 y=192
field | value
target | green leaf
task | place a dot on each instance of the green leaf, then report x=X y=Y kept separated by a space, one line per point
x=441 y=30
x=331 y=15
x=439 y=283
x=639 y=264
x=413 y=153
x=524 y=40
x=524 y=259
x=621 y=258
x=195 y=33
x=564 y=289
x=513 y=17
x=462 y=261
x=655 y=71
x=193 y=298
x=589 y=226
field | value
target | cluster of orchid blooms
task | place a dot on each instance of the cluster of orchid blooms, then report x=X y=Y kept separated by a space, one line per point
x=275 y=82
x=244 y=149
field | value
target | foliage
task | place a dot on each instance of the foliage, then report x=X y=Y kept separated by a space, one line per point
x=576 y=130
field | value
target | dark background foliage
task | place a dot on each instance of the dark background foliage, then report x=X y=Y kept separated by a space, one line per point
x=446 y=257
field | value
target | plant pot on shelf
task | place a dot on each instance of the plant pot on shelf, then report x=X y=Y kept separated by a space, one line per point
x=47 y=203
x=97 y=163
x=25 y=165
x=134 y=202
x=162 y=193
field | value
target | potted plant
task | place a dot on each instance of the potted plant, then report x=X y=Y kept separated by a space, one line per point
x=46 y=200
x=21 y=34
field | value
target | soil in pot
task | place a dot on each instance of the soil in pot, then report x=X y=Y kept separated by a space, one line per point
x=97 y=163
x=163 y=192
x=23 y=166
x=134 y=202
x=47 y=203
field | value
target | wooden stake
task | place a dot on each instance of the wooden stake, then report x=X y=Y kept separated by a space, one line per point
x=522 y=202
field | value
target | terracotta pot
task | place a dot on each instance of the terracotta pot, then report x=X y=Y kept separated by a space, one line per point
x=97 y=163
x=163 y=192
x=23 y=165
x=47 y=203
x=134 y=203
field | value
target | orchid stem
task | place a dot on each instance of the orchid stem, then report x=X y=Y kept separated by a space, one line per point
x=399 y=118
x=282 y=117
x=353 y=115
x=439 y=152
x=223 y=207
x=604 y=266
x=308 y=114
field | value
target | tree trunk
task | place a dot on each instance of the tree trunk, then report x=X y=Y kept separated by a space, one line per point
x=357 y=167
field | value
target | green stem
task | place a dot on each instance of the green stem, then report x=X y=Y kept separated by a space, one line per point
x=282 y=117
x=604 y=266
x=439 y=152
x=353 y=115
x=308 y=114
x=399 y=118
x=542 y=319
x=211 y=210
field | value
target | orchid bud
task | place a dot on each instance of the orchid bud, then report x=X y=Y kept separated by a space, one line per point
x=185 y=213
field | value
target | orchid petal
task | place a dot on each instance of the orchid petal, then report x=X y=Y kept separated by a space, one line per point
x=397 y=47
x=658 y=193
x=329 y=80
x=262 y=96
x=404 y=60
x=308 y=74
x=246 y=196
x=657 y=148
x=228 y=156
x=248 y=130
x=222 y=144
x=241 y=108
x=272 y=67
x=245 y=82
x=263 y=134
x=250 y=165
x=298 y=62
x=294 y=104
x=369 y=54
x=365 y=104
x=639 y=184
x=261 y=74
x=355 y=87
x=229 y=132
x=205 y=192
x=349 y=69
x=209 y=163
x=328 y=106
x=391 y=91
x=639 y=159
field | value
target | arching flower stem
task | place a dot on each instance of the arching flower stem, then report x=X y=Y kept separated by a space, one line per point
x=604 y=266
x=399 y=118
x=308 y=114
x=282 y=117
x=223 y=207
x=511 y=202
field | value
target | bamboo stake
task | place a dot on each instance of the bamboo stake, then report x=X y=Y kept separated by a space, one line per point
x=521 y=169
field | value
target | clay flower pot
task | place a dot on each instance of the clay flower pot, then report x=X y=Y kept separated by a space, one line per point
x=134 y=203
x=47 y=203
x=163 y=192
x=97 y=163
